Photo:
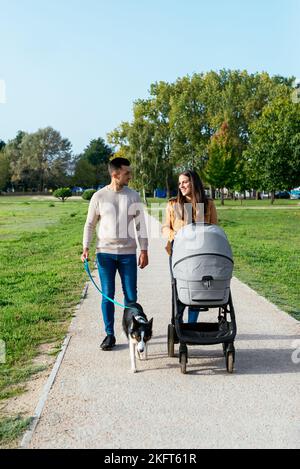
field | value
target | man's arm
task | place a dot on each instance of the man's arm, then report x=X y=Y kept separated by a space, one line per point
x=167 y=227
x=141 y=230
x=91 y=221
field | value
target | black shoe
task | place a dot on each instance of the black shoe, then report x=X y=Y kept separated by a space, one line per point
x=108 y=343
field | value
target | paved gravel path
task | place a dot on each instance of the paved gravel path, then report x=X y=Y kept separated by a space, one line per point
x=96 y=402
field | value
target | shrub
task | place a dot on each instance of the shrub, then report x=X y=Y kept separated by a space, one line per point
x=87 y=195
x=62 y=193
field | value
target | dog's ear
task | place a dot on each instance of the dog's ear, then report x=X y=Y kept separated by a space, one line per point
x=150 y=322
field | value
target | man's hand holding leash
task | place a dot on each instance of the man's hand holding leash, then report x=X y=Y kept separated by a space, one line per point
x=85 y=254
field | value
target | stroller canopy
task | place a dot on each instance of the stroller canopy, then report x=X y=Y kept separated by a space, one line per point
x=200 y=251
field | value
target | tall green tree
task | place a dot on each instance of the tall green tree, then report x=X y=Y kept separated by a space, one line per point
x=94 y=161
x=274 y=151
x=47 y=155
x=162 y=94
x=221 y=168
x=84 y=173
x=147 y=140
x=20 y=174
x=4 y=167
x=189 y=123
x=136 y=142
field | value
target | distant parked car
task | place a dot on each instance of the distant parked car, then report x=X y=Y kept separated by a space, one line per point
x=282 y=195
x=77 y=190
x=295 y=193
x=160 y=193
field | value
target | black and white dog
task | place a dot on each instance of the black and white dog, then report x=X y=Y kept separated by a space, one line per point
x=138 y=331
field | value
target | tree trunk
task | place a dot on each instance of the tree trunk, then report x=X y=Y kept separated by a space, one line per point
x=222 y=196
x=41 y=183
x=144 y=196
x=168 y=186
x=272 y=197
x=212 y=192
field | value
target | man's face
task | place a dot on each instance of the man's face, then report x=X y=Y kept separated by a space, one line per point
x=123 y=175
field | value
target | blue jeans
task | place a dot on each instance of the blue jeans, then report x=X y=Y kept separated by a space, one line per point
x=108 y=264
x=192 y=313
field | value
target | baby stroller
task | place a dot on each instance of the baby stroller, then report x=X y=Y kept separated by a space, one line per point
x=201 y=268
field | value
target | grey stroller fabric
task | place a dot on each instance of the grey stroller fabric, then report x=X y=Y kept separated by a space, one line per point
x=202 y=264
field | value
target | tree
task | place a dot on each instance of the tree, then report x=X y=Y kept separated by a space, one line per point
x=165 y=162
x=84 y=174
x=135 y=143
x=19 y=171
x=63 y=193
x=97 y=152
x=274 y=151
x=221 y=167
x=91 y=165
x=4 y=170
x=47 y=155
x=189 y=123
x=239 y=98
x=147 y=141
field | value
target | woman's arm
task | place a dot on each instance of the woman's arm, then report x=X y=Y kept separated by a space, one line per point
x=213 y=213
x=168 y=226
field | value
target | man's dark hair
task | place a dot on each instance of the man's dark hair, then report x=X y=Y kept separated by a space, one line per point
x=117 y=163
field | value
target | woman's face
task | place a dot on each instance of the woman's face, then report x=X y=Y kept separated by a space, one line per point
x=184 y=185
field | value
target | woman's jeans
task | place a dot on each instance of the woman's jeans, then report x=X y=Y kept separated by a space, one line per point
x=192 y=313
x=108 y=265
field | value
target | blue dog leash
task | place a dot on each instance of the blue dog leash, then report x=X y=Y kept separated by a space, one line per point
x=87 y=269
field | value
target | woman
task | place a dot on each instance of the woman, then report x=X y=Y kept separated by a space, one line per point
x=191 y=205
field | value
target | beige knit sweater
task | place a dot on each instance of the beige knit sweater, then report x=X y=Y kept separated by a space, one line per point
x=119 y=219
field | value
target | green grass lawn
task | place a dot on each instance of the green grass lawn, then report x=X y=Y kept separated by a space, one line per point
x=41 y=279
x=266 y=246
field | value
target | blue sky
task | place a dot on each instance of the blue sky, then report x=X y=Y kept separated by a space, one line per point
x=79 y=65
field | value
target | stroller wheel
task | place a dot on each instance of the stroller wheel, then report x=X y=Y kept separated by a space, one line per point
x=230 y=361
x=183 y=362
x=171 y=337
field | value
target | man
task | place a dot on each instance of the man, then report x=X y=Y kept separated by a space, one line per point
x=116 y=210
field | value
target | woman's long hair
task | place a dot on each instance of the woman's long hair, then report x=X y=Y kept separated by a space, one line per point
x=197 y=194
